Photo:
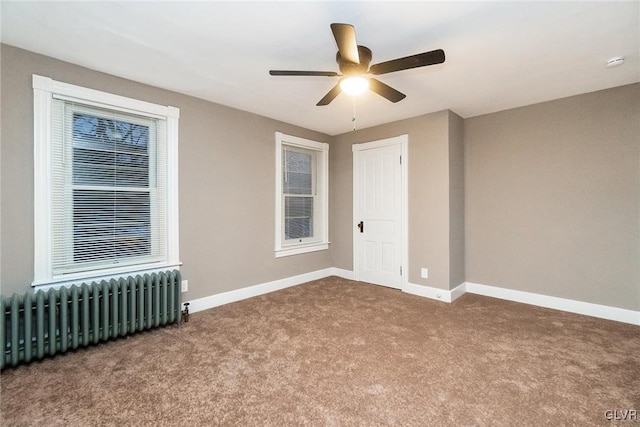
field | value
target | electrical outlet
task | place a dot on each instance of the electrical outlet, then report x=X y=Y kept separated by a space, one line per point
x=185 y=285
x=424 y=273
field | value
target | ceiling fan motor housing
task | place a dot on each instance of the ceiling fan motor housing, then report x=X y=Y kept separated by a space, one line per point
x=348 y=67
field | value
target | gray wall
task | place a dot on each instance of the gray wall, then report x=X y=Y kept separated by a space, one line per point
x=429 y=192
x=551 y=191
x=456 y=200
x=553 y=198
x=226 y=181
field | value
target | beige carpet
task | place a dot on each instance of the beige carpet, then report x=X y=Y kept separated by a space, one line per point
x=336 y=352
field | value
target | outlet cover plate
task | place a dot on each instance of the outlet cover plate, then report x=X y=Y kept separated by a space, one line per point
x=185 y=285
x=424 y=273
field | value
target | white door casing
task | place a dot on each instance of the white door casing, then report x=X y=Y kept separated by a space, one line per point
x=380 y=202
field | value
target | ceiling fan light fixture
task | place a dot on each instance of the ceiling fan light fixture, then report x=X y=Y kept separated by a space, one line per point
x=353 y=61
x=354 y=85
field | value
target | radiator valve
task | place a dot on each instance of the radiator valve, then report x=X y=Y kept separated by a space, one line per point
x=185 y=313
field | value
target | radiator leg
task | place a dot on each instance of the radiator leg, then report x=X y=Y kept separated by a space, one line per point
x=15 y=331
x=140 y=283
x=64 y=319
x=163 y=299
x=156 y=300
x=53 y=323
x=105 y=310
x=75 y=318
x=40 y=324
x=114 y=309
x=123 y=306
x=171 y=294
x=95 y=311
x=3 y=337
x=84 y=314
x=149 y=299
x=132 y=304
x=28 y=327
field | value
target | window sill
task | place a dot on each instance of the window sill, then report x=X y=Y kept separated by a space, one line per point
x=283 y=252
x=88 y=277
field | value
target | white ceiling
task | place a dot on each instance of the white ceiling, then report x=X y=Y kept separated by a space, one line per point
x=499 y=55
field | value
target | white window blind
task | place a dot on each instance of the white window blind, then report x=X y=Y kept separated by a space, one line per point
x=108 y=192
x=299 y=192
x=301 y=195
x=106 y=184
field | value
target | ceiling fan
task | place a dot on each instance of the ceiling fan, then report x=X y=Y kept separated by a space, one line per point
x=353 y=62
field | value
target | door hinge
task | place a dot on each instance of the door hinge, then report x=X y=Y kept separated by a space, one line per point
x=400 y=159
x=401 y=270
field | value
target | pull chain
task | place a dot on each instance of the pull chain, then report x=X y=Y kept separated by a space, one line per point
x=353 y=119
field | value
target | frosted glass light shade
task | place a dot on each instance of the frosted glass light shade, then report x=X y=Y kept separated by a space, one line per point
x=354 y=85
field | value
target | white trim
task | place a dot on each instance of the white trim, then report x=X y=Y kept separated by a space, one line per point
x=572 y=306
x=404 y=171
x=403 y=141
x=458 y=291
x=42 y=180
x=264 y=288
x=106 y=277
x=380 y=143
x=45 y=90
x=117 y=102
x=173 y=202
x=301 y=249
x=563 y=304
x=317 y=243
x=340 y=272
x=579 y=307
x=301 y=142
x=435 y=293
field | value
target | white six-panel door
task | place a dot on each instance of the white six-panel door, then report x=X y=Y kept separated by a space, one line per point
x=379 y=212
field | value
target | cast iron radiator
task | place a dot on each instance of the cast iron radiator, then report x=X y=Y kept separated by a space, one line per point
x=33 y=326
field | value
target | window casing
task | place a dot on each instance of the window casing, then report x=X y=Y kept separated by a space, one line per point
x=301 y=195
x=106 y=201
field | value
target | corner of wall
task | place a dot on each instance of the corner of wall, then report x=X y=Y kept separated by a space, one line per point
x=456 y=201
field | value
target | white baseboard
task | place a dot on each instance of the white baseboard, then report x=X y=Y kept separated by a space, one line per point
x=572 y=306
x=435 y=293
x=264 y=288
x=458 y=291
x=340 y=272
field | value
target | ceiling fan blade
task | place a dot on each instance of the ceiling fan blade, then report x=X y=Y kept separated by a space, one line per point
x=303 y=73
x=413 y=61
x=330 y=96
x=345 y=35
x=385 y=91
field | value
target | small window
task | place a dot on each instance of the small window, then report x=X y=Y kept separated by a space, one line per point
x=301 y=195
x=105 y=184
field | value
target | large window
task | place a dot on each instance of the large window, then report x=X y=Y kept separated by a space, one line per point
x=301 y=195
x=105 y=184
